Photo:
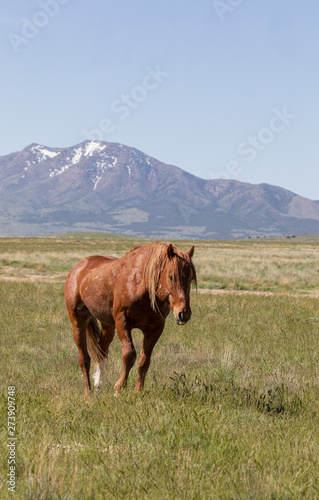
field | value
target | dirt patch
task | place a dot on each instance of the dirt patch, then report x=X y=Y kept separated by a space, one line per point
x=237 y=292
x=34 y=278
x=313 y=294
x=58 y=278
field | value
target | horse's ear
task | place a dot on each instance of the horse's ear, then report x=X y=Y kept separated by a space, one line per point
x=170 y=251
x=191 y=251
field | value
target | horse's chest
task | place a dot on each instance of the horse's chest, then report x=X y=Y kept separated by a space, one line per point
x=141 y=315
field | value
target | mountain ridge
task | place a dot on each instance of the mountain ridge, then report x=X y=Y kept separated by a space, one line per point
x=97 y=185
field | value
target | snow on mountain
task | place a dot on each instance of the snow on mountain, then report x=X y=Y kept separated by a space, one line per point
x=73 y=156
x=77 y=157
x=93 y=147
x=41 y=153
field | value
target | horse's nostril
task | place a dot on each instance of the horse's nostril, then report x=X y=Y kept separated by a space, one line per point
x=181 y=316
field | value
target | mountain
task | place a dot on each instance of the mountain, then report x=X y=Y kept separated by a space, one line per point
x=105 y=186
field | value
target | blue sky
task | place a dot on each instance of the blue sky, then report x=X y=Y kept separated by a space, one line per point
x=220 y=88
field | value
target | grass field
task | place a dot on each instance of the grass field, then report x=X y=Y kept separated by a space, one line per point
x=231 y=405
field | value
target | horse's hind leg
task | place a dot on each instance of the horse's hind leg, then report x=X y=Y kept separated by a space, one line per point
x=107 y=335
x=79 y=325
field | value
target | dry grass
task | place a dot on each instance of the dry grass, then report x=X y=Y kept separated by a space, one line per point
x=279 y=265
x=276 y=265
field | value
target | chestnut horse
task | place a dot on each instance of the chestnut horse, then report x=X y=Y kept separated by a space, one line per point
x=136 y=291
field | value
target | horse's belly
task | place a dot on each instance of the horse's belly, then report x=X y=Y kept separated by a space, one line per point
x=101 y=309
x=97 y=294
x=105 y=317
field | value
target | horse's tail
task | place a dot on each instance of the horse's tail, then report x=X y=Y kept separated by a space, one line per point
x=93 y=336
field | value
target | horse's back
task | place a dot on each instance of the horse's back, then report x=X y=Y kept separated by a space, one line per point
x=92 y=262
x=94 y=265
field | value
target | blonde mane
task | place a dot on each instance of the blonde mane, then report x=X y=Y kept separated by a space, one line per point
x=157 y=260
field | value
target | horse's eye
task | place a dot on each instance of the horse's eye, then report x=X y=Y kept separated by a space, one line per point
x=170 y=277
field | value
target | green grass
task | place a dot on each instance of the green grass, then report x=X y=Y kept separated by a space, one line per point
x=230 y=408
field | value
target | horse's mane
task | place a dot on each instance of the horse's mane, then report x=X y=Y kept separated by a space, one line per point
x=157 y=260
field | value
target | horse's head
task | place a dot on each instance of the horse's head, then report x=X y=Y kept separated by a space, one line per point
x=175 y=282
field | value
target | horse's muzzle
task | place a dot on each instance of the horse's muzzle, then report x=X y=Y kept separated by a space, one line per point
x=182 y=318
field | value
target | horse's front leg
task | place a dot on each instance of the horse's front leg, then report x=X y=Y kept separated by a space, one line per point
x=128 y=351
x=151 y=336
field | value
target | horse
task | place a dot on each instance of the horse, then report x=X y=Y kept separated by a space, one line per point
x=138 y=290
